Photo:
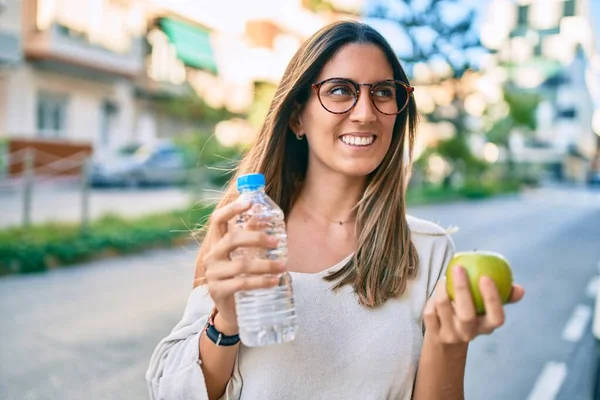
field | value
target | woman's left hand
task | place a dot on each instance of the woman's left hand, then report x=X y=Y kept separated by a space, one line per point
x=453 y=322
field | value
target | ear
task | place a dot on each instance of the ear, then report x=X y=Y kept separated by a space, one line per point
x=295 y=123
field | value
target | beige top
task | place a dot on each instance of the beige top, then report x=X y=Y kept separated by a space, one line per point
x=342 y=350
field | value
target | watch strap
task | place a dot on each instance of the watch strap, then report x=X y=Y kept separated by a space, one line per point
x=218 y=337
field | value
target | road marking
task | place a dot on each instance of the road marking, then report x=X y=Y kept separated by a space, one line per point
x=592 y=287
x=575 y=328
x=549 y=382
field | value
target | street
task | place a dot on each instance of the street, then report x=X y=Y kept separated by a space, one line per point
x=552 y=239
x=87 y=332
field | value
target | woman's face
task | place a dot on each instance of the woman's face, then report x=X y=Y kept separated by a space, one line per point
x=353 y=143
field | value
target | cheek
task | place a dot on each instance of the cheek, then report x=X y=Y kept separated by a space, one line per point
x=319 y=124
x=387 y=126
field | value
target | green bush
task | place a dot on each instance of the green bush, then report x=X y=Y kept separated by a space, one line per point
x=42 y=247
x=428 y=194
x=473 y=190
x=192 y=107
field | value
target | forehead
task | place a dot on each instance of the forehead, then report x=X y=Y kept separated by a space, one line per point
x=364 y=62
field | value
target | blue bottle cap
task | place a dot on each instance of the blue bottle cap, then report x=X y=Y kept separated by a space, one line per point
x=251 y=181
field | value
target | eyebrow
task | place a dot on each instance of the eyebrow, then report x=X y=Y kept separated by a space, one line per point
x=357 y=81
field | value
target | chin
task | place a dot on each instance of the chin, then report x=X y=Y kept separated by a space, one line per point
x=359 y=171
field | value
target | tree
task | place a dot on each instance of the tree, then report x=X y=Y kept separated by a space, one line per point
x=522 y=107
x=436 y=29
x=441 y=32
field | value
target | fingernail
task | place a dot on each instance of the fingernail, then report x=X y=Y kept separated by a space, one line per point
x=459 y=272
x=243 y=203
x=273 y=240
x=282 y=266
x=487 y=281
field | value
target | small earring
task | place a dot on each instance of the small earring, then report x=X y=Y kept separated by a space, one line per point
x=299 y=137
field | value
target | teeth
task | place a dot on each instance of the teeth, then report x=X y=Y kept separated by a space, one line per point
x=358 y=141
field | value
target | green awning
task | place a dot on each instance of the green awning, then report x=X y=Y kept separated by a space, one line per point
x=192 y=44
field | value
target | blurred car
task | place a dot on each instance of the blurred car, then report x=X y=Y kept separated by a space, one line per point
x=159 y=164
x=596 y=333
x=594 y=178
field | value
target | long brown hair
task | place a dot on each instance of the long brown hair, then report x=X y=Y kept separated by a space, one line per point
x=385 y=258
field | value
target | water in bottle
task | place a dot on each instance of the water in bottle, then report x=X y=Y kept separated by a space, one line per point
x=265 y=316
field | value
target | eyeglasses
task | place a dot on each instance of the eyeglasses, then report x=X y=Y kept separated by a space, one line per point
x=340 y=95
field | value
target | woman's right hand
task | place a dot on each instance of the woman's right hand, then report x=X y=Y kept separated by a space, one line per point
x=223 y=276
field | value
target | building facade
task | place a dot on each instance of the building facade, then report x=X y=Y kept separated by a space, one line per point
x=549 y=46
x=74 y=80
x=96 y=71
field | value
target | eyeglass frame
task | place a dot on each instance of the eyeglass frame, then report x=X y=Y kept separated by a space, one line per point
x=357 y=86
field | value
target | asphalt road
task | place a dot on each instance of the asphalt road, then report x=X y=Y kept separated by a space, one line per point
x=552 y=238
x=87 y=332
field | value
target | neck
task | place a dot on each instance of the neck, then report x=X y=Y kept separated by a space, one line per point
x=331 y=195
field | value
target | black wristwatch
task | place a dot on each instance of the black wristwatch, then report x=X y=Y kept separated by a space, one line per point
x=217 y=337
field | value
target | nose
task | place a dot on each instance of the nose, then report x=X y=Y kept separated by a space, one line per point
x=364 y=111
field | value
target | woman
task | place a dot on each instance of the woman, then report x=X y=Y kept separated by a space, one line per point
x=336 y=149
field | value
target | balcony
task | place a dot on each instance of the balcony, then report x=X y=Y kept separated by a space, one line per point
x=59 y=44
x=85 y=35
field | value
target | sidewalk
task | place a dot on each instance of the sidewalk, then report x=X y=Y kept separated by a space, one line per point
x=63 y=203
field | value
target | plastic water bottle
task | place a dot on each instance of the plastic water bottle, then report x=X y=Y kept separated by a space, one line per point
x=265 y=316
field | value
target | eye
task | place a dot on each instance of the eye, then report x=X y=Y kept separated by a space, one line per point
x=340 y=90
x=384 y=92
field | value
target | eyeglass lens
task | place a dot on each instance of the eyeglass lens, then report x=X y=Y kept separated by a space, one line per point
x=340 y=95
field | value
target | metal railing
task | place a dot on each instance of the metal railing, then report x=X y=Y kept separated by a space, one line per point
x=53 y=169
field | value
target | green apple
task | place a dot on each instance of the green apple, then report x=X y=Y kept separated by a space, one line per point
x=477 y=264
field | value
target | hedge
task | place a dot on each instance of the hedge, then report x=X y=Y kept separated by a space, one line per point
x=48 y=246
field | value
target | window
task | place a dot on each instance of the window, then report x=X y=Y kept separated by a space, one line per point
x=51 y=114
x=523 y=15
x=109 y=112
x=567 y=113
x=569 y=8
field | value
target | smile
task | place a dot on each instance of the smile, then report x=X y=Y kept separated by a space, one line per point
x=359 y=141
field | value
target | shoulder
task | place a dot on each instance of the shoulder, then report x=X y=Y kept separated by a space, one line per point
x=435 y=248
x=423 y=226
x=427 y=233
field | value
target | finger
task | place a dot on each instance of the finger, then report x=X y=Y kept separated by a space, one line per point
x=226 y=288
x=494 y=310
x=517 y=294
x=222 y=215
x=430 y=317
x=445 y=311
x=255 y=223
x=231 y=269
x=241 y=238
x=464 y=308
